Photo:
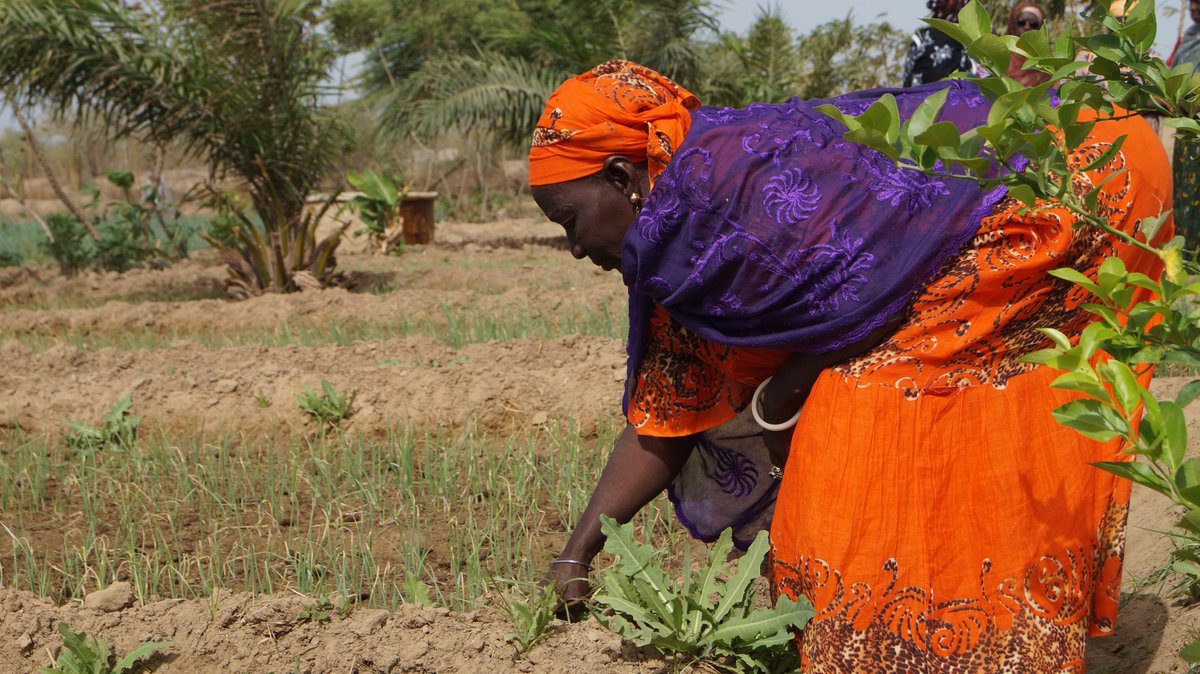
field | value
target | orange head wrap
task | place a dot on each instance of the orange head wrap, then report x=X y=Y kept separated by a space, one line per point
x=616 y=108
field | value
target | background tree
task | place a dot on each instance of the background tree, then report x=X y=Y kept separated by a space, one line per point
x=241 y=83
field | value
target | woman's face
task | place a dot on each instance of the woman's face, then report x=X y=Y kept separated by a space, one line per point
x=595 y=211
x=1027 y=20
x=1194 y=6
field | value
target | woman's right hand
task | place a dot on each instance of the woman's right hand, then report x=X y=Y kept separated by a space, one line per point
x=571 y=582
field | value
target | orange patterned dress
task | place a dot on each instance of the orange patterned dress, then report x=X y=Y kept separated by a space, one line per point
x=934 y=512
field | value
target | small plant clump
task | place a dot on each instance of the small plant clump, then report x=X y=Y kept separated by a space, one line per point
x=86 y=654
x=119 y=430
x=531 y=611
x=708 y=616
x=327 y=407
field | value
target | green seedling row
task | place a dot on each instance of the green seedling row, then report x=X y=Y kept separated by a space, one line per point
x=433 y=517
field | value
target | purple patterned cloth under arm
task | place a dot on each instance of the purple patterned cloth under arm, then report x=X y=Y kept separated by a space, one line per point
x=768 y=229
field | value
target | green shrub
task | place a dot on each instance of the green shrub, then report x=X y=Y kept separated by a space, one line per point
x=71 y=247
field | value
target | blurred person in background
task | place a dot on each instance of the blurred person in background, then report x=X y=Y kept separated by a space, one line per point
x=933 y=55
x=1026 y=16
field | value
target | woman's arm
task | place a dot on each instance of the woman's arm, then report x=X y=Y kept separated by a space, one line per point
x=791 y=384
x=638 y=469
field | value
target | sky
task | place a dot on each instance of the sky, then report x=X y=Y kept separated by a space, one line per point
x=803 y=15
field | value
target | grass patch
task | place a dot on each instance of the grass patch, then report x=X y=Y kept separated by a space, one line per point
x=185 y=517
x=455 y=327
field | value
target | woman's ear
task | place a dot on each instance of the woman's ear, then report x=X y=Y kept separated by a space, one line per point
x=620 y=173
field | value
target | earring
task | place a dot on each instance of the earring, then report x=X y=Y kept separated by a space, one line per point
x=637 y=201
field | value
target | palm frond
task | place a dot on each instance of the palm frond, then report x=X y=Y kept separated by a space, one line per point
x=498 y=94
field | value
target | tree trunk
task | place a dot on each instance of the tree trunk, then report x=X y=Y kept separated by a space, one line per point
x=53 y=180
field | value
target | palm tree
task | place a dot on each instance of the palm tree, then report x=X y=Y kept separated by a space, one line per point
x=502 y=90
x=240 y=83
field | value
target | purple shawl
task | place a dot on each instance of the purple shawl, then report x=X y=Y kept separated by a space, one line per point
x=769 y=229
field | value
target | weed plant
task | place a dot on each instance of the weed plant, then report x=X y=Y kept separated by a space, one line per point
x=428 y=518
x=328 y=407
x=86 y=654
x=710 y=616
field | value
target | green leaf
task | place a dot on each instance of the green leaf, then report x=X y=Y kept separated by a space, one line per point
x=940 y=134
x=1124 y=383
x=1106 y=156
x=1091 y=418
x=137 y=654
x=1034 y=43
x=1137 y=472
x=874 y=139
x=747 y=571
x=1187 y=481
x=1188 y=393
x=1004 y=107
x=954 y=30
x=635 y=563
x=993 y=51
x=787 y=614
x=975 y=21
x=850 y=121
x=1076 y=277
x=710 y=579
x=1082 y=382
x=1175 y=434
x=926 y=113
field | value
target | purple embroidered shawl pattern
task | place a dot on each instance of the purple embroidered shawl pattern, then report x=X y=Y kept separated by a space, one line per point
x=768 y=229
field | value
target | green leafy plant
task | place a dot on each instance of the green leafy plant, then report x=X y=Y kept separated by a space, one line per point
x=132 y=232
x=378 y=205
x=709 y=616
x=85 y=654
x=69 y=246
x=531 y=611
x=317 y=612
x=1125 y=338
x=118 y=430
x=328 y=406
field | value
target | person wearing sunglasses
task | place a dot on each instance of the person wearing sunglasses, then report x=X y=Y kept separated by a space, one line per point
x=1024 y=17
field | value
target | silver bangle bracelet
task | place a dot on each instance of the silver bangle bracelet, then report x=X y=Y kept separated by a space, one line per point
x=758 y=417
x=571 y=561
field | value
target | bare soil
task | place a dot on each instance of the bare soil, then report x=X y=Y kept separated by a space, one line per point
x=192 y=360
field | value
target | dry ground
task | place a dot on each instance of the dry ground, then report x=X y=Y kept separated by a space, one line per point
x=413 y=340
